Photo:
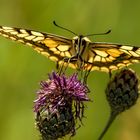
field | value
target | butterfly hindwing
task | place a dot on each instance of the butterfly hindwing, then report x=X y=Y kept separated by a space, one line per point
x=108 y=57
x=54 y=47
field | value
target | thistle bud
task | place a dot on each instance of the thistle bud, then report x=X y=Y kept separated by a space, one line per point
x=122 y=93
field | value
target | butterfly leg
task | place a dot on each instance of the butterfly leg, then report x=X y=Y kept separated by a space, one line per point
x=60 y=67
x=83 y=72
x=110 y=74
x=87 y=72
x=64 y=64
x=57 y=65
x=86 y=76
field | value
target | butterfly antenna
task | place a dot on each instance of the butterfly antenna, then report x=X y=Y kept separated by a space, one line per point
x=100 y=33
x=64 y=28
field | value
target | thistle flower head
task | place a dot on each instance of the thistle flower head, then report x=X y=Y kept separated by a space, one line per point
x=58 y=105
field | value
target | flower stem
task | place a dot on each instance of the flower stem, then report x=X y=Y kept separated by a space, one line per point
x=110 y=121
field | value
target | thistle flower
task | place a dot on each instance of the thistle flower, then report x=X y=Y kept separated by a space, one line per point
x=58 y=105
x=122 y=93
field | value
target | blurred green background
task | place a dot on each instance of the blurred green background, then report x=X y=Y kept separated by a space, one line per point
x=21 y=68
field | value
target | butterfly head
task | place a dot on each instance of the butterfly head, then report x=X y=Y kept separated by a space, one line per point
x=81 y=40
x=80 y=44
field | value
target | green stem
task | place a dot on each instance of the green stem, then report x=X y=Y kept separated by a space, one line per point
x=110 y=121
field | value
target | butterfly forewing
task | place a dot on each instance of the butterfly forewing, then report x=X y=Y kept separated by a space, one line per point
x=54 y=47
x=108 y=57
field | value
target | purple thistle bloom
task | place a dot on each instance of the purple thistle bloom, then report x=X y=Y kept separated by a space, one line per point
x=59 y=97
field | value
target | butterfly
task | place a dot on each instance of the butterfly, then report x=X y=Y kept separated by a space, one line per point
x=78 y=52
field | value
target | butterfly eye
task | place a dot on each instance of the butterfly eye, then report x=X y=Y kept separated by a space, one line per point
x=83 y=42
x=76 y=41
